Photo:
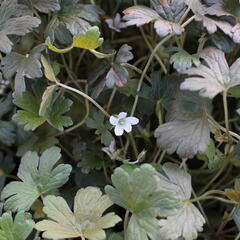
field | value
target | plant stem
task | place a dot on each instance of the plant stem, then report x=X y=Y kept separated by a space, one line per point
x=125 y=224
x=225 y=104
x=85 y=96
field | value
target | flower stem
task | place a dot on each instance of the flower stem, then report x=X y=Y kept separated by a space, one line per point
x=85 y=96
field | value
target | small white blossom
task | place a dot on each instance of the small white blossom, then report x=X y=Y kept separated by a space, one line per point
x=123 y=123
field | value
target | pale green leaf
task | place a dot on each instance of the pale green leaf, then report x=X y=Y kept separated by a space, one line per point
x=38 y=176
x=86 y=220
x=47 y=99
x=48 y=70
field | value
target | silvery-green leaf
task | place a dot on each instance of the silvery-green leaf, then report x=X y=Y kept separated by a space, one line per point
x=140 y=15
x=213 y=77
x=44 y=6
x=21 y=66
x=175 y=180
x=73 y=18
x=186 y=223
x=13 y=21
x=187 y=131
x=171 y=10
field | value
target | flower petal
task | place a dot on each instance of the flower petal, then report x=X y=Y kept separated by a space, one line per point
x=132 y=120
x=122 y=115
x=127 y=127
x=118 y=130
x=113 y=120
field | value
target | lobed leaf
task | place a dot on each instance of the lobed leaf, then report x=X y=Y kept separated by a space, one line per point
x=38 y=175
x=86 y=220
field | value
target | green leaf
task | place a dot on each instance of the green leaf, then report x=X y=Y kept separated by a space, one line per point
x=214 y=78
x=90 y=158
x=90 y=40
x=14 y=20
x=39 y=141
x=143 y=227
x=97 y=122
x=17 y=229
x=136 y=190
x=39 y=176
x=7 y=132
x=56 y=117
x=21 y=66
x=187 y=131
x=6 y=166
x=178 y=181
x=52 y=111
x=29 y=116
x=86 y=220
x=5 y=105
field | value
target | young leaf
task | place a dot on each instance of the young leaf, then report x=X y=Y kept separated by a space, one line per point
x=187 y=131
x=39 y=176
x=88 y=40
x=140 y=15
x=21 y=66
x=215 y=77
x=86 y=221
x=182 y=60
x=178 y=181
x=17 y=229
x=116 y=23
x=13 y=21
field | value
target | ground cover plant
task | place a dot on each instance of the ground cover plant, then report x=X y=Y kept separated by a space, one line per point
x=119 y=119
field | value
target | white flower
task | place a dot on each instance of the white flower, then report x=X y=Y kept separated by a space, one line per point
x=122 y=122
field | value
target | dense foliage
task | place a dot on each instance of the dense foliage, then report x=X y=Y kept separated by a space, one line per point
x=119 y=119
